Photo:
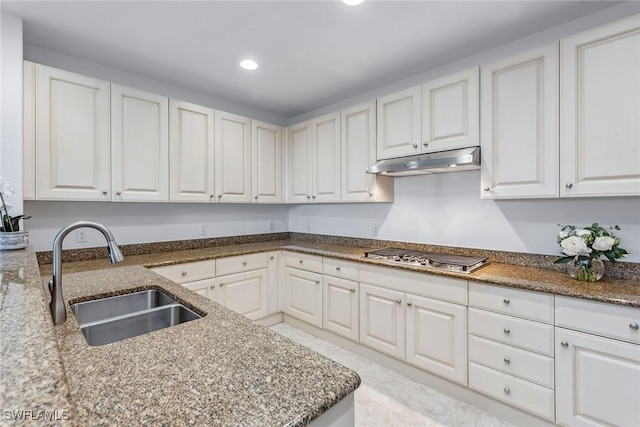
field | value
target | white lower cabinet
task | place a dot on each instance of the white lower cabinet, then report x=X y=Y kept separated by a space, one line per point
x=245 y=293
x=436 y=337
x=206 y=288
x=340 y=306
x=303 y=295
x=382 y=319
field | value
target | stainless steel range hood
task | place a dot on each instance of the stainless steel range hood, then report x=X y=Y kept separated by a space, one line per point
x=438 y=162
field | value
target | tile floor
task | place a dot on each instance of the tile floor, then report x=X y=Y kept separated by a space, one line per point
x=388 y=399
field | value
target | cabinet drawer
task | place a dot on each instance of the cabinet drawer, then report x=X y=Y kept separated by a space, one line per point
x=511 y=330
x=427 y=285
x=188 y=272
x=338 y=268
x=238 y=264
x=512 y=390
x=303 y=261
x=598 y=318
x=523 y=364
x=529 y=305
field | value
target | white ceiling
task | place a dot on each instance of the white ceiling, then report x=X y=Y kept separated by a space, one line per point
x=311 y=53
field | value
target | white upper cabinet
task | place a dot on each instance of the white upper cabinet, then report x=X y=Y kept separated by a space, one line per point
x=358 y=140
x=232 y=157
x=29 y=132
x=600 y=100
x=399 y=127
x=520 y=126
x=299 y=162
x=266 y=152
x=191 y=152
x=72 y=136
x=326 y=158
x=450 y=112
x=139 y=145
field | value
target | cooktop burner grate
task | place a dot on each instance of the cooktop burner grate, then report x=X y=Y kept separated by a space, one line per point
x=459 y=263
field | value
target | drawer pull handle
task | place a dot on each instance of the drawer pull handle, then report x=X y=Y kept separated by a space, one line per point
x=398 y=301
x=506 y=301
x=184 y=273
x=338 y=268
x=634 y=325
x=353 y=289
x=507 y=390
x=507 y=331
x=507 y=360
x=409 y=304
x=244 y=262
x=564 y=344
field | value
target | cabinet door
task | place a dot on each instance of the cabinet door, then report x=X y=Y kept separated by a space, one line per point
x=232 y=157
x=382 y=317
x=520 y=126
x=303 y=295
x=72 y=136
x=29 y=131
x=358 y=138
x=450 y=112
x=273 y=282
x=326 y=158
x=266 y=154
x=139 y=145
x=597 y=380
x=299 y=162
x=600 y=93
x=340 y=306
x=191 y=148
x=206 y=288
x=437 y=337
x=244 y=293
x=398 y=124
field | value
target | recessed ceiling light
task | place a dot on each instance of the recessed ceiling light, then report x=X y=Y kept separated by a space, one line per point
x=352 y=2
x=249 y=64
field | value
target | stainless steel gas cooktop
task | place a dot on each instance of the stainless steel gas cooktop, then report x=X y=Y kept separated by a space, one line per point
x=448 y=262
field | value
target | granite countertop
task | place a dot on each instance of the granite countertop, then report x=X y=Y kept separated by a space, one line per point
x=219 y=370
x=609 y=290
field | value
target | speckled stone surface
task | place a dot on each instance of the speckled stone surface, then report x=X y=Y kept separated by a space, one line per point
x=31 y=373
x=218 y=370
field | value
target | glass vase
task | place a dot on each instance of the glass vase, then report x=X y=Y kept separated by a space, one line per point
x=586 y=269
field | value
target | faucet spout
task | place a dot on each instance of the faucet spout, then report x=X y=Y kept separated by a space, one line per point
x=58 y=311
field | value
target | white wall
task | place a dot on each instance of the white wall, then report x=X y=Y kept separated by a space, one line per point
x=150 y=222
x=11 y=107
x=446 y=209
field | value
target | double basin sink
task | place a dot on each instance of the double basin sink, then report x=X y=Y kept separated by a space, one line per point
x=112 y=319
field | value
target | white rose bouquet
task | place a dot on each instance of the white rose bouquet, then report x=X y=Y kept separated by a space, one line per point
x=7 y=222
x=582 y=246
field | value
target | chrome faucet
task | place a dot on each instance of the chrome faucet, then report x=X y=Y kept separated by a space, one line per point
x=58 y=311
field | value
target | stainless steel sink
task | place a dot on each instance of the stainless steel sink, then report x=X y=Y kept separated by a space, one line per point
x=112 y=319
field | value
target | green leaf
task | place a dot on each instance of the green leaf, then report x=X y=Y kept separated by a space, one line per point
x=563 y=260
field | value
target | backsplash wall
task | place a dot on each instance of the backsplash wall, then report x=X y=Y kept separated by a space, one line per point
x=446 y=209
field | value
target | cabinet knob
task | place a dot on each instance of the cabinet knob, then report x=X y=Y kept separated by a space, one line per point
x=313 y=197
x=211 y=196
x=353 y=289
x=409 y=304
x=634 y=326
x=219 y=196
x=506 y=301
x=244 y=262
x=317 y=282
x=506 y=390
x=564 y=344
x=569 y=184
x=486 y=188
x=338 y=268
x=415 y=146
x=308 y=196
x=271 y=257
x=255 y=197
x=300 y=261
x=370 y=194
x=507 y=331
x=507 y=361
x=212 y=286
x=118 y=193
x=425 y=144
x=104 y=193
x=398 y=301
x=221 y=284
x=184 y=273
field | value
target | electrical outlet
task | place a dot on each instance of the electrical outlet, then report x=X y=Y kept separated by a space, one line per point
x=376 y=231
x=81 y=236
x=203 y=230
x=272 y=225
